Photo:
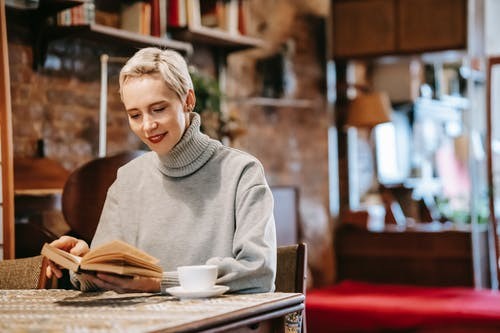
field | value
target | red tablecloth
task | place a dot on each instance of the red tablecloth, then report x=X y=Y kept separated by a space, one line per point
x=366 y=307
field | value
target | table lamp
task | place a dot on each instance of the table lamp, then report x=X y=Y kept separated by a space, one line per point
x=369 y=109
x=366 y=111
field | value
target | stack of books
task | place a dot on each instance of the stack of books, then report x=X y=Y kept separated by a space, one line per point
x=226 y=15
x=78 y=15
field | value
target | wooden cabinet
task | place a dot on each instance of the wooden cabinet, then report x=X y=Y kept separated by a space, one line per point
x=363 y=27
x=413 y=256
x=426 y=25
x=376 y=27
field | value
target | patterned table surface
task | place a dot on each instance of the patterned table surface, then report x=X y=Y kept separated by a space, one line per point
x=56 y=310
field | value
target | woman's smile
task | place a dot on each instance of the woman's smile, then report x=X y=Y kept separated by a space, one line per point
x=156 y=138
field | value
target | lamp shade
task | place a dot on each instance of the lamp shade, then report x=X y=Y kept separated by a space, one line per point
x=369 y=110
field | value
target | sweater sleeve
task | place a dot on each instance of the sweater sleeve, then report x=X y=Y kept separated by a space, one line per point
x=253 y=266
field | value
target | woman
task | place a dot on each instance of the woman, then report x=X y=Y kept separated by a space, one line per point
x=190 y=200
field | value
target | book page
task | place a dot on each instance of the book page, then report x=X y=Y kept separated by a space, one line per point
x=118 y=248
x=122 y=268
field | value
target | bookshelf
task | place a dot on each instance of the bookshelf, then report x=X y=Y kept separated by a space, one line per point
x=40 y=16
x=44 y=32
x=276 y=102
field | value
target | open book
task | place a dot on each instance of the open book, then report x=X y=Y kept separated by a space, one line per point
x=115 y=257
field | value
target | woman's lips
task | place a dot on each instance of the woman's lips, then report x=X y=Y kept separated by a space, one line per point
x=156 y=138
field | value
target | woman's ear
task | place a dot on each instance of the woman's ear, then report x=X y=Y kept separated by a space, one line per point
x=190 y=101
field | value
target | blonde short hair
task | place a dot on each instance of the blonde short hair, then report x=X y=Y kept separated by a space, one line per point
x=169 y=64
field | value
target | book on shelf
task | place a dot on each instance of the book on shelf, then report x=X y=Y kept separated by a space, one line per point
x=115 y=257
x=158 y=17
x=193 y=13
x=109 y=19
x=155 y=18
x=177 y=13
x=231 y=16
x=78 y=15
x=208 y=13
x=221 y=14
x=243 y=14
x=227 y=15
x=163 y=17
x=136 y=17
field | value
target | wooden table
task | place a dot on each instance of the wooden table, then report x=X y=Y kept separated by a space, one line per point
x=57 y=310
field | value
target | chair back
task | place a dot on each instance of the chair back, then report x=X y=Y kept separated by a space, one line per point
x=85 y=191
x=25 y=273
x=291 y=274
x=286 y=214
x=291 y=268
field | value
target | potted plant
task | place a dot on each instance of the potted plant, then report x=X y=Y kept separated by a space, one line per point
x=209 y=98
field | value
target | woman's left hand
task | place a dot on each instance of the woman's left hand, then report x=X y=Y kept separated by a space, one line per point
x=124 y=284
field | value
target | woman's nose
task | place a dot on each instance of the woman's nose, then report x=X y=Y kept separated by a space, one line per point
x=150 y=123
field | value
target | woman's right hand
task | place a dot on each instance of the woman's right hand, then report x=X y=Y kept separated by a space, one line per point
x=75 y=246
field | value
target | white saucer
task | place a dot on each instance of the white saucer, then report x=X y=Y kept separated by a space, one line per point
x=183 y=293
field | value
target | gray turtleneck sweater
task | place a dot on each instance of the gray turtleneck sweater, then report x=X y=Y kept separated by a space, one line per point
x=201 y=203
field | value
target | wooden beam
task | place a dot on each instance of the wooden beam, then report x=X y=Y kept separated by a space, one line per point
x=490 y=172
x=6 y=142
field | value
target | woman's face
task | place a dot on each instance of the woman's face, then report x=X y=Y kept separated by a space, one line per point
x=155 y=113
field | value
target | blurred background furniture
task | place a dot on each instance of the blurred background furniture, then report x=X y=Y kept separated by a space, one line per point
x=25 y=273
x=85 y=192
x=38 y=185
x=427 y=254
x=286 y=214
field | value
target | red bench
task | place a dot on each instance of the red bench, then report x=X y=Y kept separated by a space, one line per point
x=366 y=307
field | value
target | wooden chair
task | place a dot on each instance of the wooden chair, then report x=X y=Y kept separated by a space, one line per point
x=25 y=273
x=291 y=268
x=85 y=192
x=291 y=271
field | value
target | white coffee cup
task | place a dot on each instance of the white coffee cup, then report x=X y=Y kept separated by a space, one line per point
x=198 y=277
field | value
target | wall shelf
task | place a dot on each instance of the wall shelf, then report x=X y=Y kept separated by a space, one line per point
x=275 y=102
x=113 y=35
x=217 y=37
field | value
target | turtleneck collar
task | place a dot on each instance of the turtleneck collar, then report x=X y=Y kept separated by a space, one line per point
x=192 y=151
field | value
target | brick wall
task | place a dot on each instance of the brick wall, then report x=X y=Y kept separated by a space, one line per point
x=59 y=102
x=292 y=143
